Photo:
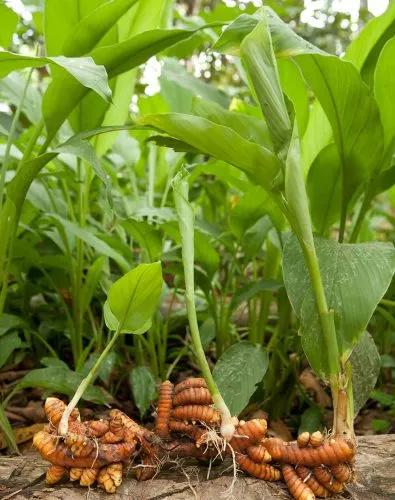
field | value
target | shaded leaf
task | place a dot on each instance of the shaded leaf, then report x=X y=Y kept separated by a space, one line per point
x=365 y=364
x=9 y=343
x=56 y=379
x=237 y=373
x=355 y=278
x=143 y=388
x=253 y=289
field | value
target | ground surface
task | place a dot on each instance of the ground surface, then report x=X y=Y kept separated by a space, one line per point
x=23 y=477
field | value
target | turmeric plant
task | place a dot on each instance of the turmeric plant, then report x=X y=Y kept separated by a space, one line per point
x=334 y=287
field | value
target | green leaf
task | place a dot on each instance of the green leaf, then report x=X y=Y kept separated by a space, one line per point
x=143 y=388
x=9 y=343
x=90 y=239
x=179 y=86
x=384 y=90
x=295 y=192
x=237 y=373
x=12 y=88
x=249 y=127
x=91 y=283
x=218 y=141
x=64 y=94
x=92 y=28
x=324 y=189
x=249 y=209
x=10 y=322
x=133 y=299
x=232 y=37
x=259 y=59
x=149 y=238
x=364 y=50
x=56 y=379
x=295 y=88
x=365 y=363
x=9 y=20
x=355 y=278
x=251 y=290
x=80 y=70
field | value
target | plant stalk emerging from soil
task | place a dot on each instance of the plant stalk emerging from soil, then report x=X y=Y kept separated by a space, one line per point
x=186 y=225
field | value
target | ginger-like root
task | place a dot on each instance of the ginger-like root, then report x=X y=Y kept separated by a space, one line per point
x=193 y=395
x=193 y=413
x=308 y=477
x=165 y=404
x=188 y=426
x=91 y=451
x=331 y=452
x=110 y=477
x=259 y=470
x=298 y=489
x=190 y=383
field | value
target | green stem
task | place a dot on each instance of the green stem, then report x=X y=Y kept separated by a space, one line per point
x=186 y=225
x=32 y=141
x=10 y=140
x=327 y=318
x=63 y=426
x=151 y=174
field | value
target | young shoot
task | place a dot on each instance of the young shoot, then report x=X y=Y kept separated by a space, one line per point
x=186 y=224
x=130 y=305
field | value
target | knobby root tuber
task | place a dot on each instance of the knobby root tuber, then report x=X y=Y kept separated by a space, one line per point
x=187 y=426
x=165 y=404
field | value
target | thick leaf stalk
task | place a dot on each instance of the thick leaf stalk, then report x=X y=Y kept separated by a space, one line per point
x=186 y=222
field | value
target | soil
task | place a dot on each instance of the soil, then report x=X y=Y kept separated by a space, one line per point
x=23 y=477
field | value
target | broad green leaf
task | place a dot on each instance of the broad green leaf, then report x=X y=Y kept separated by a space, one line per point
x=365 y=364
x=55 y=379
x=237 y=373
x=91 y=283
x=324 y=189
x=220 y=142
x=141 y=17
x=143 y=388
x=92 y=28
x=254 y=238
x=384 y=89
x=149 y=238
x=224 y=172
x=346 y=100
x=82 y=71
x=253 y=289
x=259 y=59
x=232 y=37
x=9 y=343
x=134 y=297
x=355 y=278
x=117 y=59
x=295 y=88
x=10 y=322
x=317 y=136
x=93 y=241
x=177 y=84
x=249 y=127
x=12 y=88
x=9 y=20
x=364 y=51
x=106 y=366
x=249 y=209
